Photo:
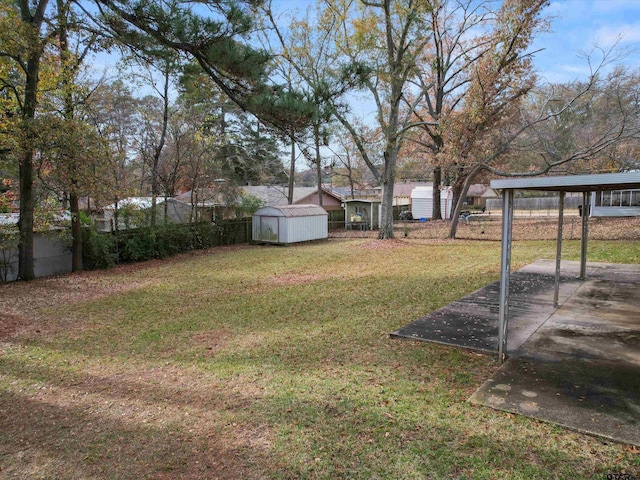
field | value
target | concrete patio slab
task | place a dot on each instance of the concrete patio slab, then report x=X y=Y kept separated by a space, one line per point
x=471 y=322
x=577 y=366
x=581 y=368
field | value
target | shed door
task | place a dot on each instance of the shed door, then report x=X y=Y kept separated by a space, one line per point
x=269 y=229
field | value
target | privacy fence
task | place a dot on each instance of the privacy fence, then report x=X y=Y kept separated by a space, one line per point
x=536 y=203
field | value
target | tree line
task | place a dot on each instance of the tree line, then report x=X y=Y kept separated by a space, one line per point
x=219 y=89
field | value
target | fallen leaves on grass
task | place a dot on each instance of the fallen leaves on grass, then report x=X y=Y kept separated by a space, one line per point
x=524 y=228
x=389 y=244
x=295 y=278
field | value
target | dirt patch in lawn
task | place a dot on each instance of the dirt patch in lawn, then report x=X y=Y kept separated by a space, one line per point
x=28 y=298
x=9 y=324
x=23 y=305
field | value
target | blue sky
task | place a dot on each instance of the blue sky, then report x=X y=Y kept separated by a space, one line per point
x=578 y=25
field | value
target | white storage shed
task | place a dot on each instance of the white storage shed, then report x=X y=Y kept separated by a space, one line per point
x=290 y=224
x=422 y=202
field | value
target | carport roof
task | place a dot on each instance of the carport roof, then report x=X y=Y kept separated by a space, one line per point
x=573 y=183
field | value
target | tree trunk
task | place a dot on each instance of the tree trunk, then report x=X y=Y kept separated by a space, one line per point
x=27 y=203
x=158 y=148
x=192 y=199
x=67 y=85
x=25 y=224
x=316 y=134
x=437 y=182
x=76 y=233
x=292 y=168
x=388 y=180
x=166 y=208
x=455 y=215
x=116 y=219
x=386 y=222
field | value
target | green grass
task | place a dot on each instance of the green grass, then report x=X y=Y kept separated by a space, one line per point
x=272 y=362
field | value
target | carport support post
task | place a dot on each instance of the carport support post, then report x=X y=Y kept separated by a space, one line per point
x=505 y=272
x=556 y=290
x=586 y=201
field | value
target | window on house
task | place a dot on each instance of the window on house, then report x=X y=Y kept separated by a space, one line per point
x=618 y=198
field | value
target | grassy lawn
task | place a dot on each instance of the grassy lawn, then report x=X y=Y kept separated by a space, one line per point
x=271 y=362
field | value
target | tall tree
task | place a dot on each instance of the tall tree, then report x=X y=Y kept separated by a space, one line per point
x=112 y=110
x=467 y=35
x=308 y=51
x=347 y=167
x=218 y=42
x=23 y=40
x=559 y=126
x=70 y=62
x=155 y=68
x=377 y=47
x=245 y=150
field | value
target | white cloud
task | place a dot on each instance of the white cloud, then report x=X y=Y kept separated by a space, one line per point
x=564 y=72
x=608 y=6
x=608 y=35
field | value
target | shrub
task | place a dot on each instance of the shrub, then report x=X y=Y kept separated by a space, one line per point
x=205 y=235
x=8 y=251
x=165 y=240
x=98 y=250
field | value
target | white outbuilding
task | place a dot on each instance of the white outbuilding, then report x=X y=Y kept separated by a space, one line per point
x=422 y=202
x=285 y=224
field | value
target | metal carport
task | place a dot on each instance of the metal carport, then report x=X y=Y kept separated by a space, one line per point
x=571 y=183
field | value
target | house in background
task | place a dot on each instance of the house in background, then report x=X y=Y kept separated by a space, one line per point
x=477 y=196
x=215 y=203
x=616 y=203
x=272 y=195
x=126 y=209
x=201 y=204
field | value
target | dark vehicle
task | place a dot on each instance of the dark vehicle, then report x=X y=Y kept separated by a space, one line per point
x=406 y=215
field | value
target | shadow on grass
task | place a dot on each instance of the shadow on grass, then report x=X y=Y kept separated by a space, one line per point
x=76 y=425
x=394 y=420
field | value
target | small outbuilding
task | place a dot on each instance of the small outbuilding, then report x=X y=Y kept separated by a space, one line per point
x=422 y=202
x=285 y=224
x=362 y=214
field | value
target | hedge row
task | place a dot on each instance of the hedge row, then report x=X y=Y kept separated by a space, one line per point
x=103 y=250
